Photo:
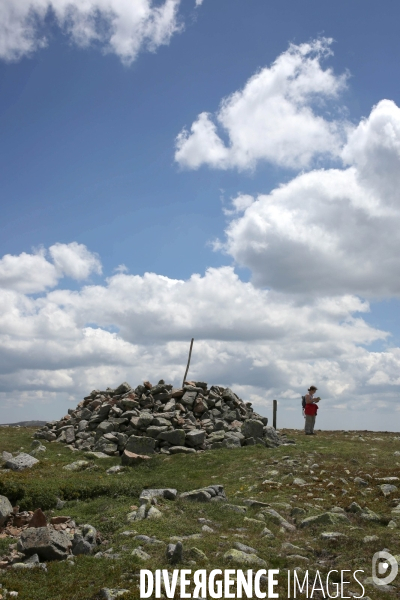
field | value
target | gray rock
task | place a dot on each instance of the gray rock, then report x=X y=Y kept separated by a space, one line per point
x=47 y=543
x=103 y=445
x=332 y=535
x=78 y=465
x=275 y=517
x=354 y=508
x=140 y=554
x=140 y=445
x=69 y=435
x=5 y=509
x=242 y=558
x=6 y=456
x=271 y=435
x=267 y=533
x=176 y=437
x=231 y=442
x=21 y=461
x=96 y=455
x=81 y=546
x=168 y=493
x=155 y=430
x=115 y=469
x=188 y=399
x=252 y=428
x=244 y=548
x=369 y=515
x=145 y=420
x=195 y=438
x=153 y=513
x=196 y=496
x=327 y=518
x=174 y=553
x=148 y=540
x=181 y=450
x=388 y=489
x=105 y=427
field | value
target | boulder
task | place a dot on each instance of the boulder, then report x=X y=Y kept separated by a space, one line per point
x=21 y=461
x=253 y=428
x=46 y=542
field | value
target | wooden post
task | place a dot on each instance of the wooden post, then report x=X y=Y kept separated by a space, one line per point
x=188 y=362
x=275 y=409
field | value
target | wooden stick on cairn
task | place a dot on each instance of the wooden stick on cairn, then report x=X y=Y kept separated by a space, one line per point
x=188 y=362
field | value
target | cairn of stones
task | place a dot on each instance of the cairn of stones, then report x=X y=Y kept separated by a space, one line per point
x=162 y=419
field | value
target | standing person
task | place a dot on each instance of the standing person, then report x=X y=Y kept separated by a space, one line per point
x=310 y=410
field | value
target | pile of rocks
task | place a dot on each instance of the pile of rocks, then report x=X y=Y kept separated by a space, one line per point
x=40 y=540
x=161 y=418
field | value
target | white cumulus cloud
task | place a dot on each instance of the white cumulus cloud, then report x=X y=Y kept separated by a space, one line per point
x=34 y=273
x=331 y=231
x=119 y=26
x=274 y=118
x=74 y=260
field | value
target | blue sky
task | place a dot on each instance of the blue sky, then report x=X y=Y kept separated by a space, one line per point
x=92 y=178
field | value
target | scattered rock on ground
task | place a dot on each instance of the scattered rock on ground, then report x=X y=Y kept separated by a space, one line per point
x=21 y=461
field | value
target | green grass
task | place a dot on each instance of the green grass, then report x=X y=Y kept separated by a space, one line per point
x=104 y=501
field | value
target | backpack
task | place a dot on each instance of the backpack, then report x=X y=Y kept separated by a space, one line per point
x=303 y=402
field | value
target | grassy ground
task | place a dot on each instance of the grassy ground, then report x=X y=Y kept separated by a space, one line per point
x=104 y=501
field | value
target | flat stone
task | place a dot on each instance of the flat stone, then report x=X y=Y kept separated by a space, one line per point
x=47 y=543
x=332 y=535
x=96 y=455
x=21 y=461
x=181 y=450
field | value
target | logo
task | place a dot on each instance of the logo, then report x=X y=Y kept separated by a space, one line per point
x=384 y=568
